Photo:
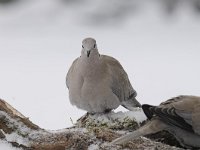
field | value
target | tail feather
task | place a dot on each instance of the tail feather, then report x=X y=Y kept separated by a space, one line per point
x=146 y=109
x=131 y=104
x=128 y=137
x=149 y=128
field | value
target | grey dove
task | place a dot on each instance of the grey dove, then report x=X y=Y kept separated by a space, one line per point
x=180 y=116
x=98 y=83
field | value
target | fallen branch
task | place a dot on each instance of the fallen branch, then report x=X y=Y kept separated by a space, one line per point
x=90 y=132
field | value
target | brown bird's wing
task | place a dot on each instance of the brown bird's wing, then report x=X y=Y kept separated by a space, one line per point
x=182 y=112
x=196 y=119
x=189 y=110
x=178 y=111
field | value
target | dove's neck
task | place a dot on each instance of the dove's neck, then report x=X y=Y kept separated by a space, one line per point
x=90 y=65
x=91 y=60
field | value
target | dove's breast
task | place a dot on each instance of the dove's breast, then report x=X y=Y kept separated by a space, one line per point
x=91 y=91
x=96 y=96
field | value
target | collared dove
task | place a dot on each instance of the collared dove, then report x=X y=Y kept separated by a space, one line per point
x=180 y=116
x=98 y=83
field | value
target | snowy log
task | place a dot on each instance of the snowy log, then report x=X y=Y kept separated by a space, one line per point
x=93 y=132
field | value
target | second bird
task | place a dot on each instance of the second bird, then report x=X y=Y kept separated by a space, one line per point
x=98 y=83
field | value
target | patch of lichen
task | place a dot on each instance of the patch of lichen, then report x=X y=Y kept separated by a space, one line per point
x=104 y=134
x=126 y=124
x=114 y=124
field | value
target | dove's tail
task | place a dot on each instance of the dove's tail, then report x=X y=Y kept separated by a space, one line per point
x=131 y=103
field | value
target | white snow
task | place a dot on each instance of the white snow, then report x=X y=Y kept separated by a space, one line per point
x=6 y=146
x=14 y=137
x=22 y=130
x=113 y=120
x=93 y=147
x=138 y=115
x=40 y=39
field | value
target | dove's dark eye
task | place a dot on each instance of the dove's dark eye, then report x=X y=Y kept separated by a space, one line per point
x=82 y=46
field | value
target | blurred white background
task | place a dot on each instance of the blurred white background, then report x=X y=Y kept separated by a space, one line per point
x=156 y=41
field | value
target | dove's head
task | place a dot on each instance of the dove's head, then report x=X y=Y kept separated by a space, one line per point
x=89 y=48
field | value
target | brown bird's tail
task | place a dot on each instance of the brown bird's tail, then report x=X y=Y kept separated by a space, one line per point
x=151 y=127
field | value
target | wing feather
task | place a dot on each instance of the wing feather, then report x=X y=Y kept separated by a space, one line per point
x=175 y=111
x=69 y=73
x=168 y=115
x=120 y=83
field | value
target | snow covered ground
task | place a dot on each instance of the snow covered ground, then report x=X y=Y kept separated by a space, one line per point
x=40 y=39
x=7 y=146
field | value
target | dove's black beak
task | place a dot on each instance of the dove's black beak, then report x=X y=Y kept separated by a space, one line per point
x=88 y=53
